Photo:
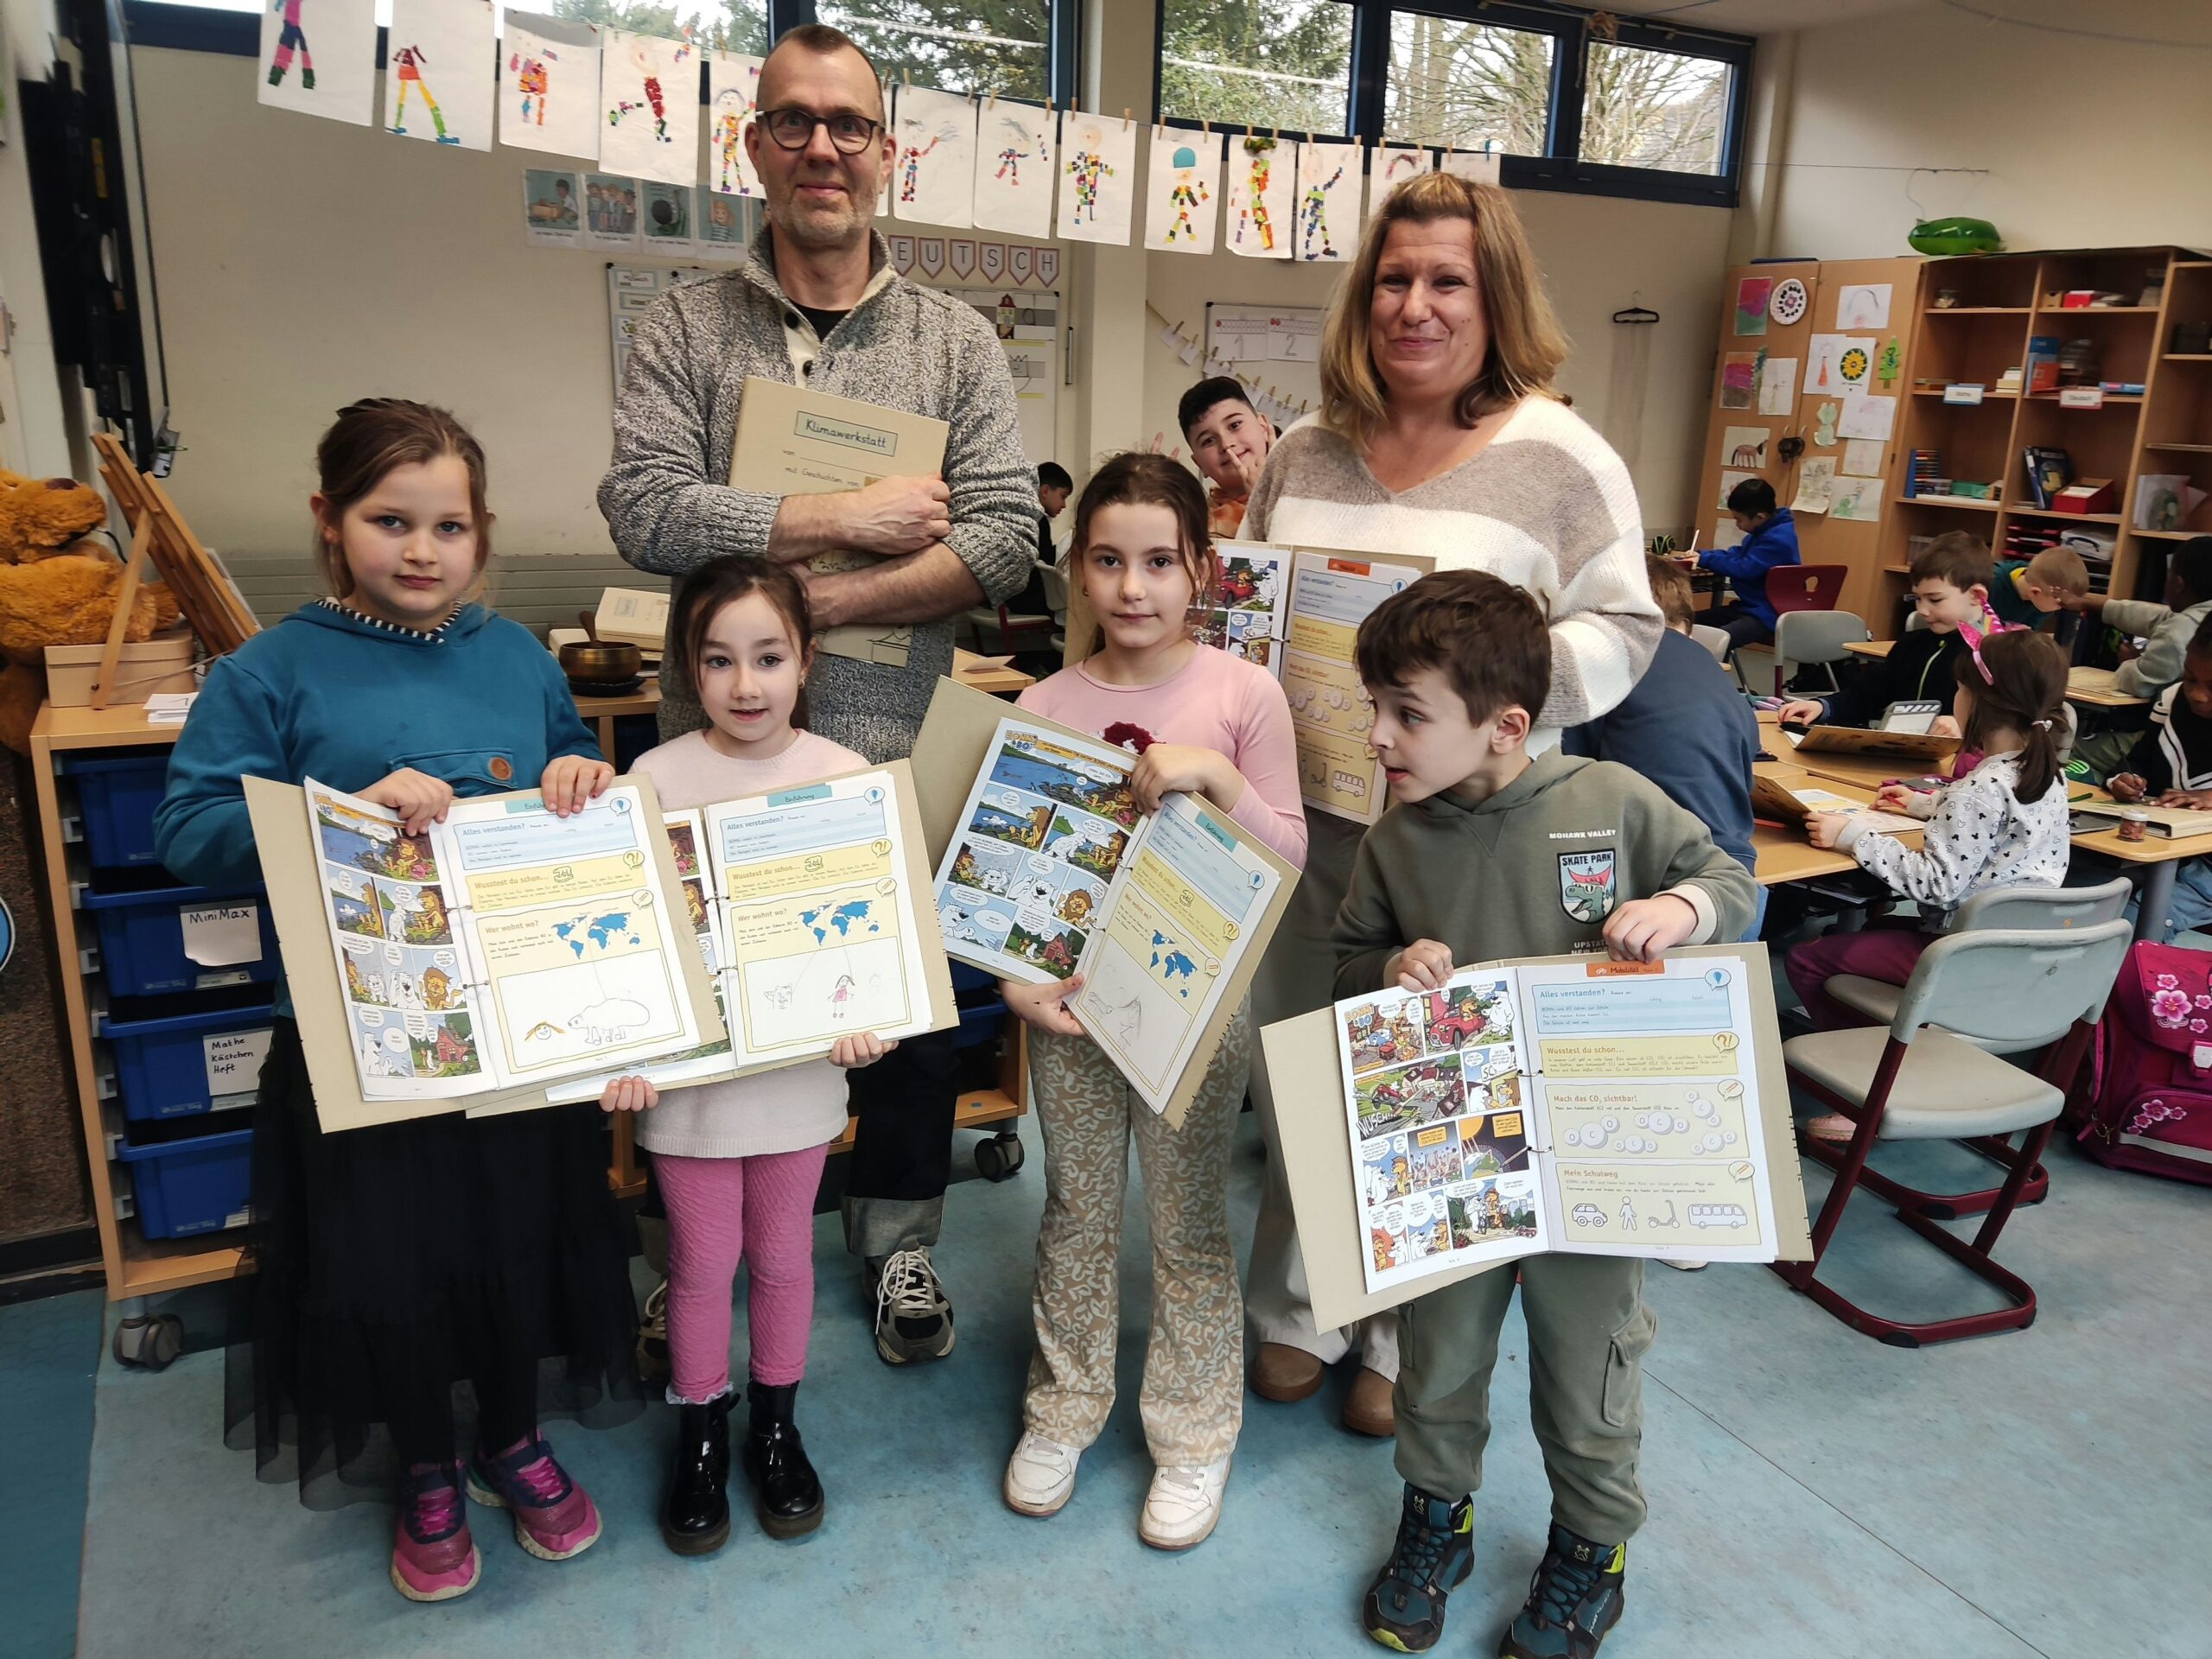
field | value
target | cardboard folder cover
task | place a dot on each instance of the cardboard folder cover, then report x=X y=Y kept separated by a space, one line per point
x=793 y=441
x=289 y=865
x=1303 y=1067
x=953 y=744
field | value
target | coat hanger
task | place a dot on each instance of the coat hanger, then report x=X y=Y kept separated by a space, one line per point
x=1637 y=312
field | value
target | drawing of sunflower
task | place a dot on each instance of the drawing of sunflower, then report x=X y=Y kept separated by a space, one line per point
x=1853 y=365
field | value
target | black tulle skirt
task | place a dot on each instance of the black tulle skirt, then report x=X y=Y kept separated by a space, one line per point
x=411 y=1279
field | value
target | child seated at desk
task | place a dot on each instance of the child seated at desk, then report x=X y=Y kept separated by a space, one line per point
x=2028 y=590
x=2002 y=825
x=2171 y=766
x=2167 y=629
x=1770 y=538
x=1950 y=590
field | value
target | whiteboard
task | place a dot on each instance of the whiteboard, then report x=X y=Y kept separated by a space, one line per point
x=1268 y=346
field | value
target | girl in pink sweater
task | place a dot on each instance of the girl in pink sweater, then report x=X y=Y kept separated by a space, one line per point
x=1212 y=724
x=738 y=1163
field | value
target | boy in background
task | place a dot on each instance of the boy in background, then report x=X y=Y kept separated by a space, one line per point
x=2168 y=629
x=2171 y=766
x=1457 y=665
x=2028 y=590
x=1229 y=441
x=1054 y=485
x=1770 y=539
x=1950 y=589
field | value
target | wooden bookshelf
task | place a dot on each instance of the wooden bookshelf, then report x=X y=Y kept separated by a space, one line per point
x=2002 y=300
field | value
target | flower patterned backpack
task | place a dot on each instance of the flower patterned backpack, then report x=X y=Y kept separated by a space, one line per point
x=2144 y=1101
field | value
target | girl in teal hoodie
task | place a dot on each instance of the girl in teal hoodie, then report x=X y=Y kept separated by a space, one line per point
x=393 y=1263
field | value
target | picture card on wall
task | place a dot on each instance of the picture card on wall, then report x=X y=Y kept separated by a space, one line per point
x=1392 y=167
x=667 y=217
x=1816 y=484
x=610 y=211
x=1330 y=180
x=933 y=175
x=1739 y=379
x=1862 y=457
x=1744 y=446
x=549 y=85
x=732 y=97
x=1867 y=417
x=718 y=225
x=435 y=83
x=1014 y=147
x=649 y=93
x=1778 y=386
x=1183 y=191
x=1262 y=187
x=1857 y=499
x=1862 y=305
x=552 y=208
x=1729 y=481
x=1753 y=294
x=1476 y=166
x=319 y=57
x=1098 y=172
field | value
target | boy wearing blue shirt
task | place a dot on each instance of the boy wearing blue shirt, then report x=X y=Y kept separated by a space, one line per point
x=1770 y=539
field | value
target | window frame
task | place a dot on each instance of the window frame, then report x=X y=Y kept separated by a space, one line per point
x=238 y=33
x=1562 y=168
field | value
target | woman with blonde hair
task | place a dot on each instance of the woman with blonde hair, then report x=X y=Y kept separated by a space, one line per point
x=1440 y=433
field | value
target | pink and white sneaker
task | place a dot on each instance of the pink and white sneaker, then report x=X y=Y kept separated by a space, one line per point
x=555 y=1518
x=433 y=1557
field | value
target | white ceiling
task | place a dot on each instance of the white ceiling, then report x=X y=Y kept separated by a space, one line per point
x=2157 y=22
x=1759 y=16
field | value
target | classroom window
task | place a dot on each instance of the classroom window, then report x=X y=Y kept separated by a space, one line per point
x=1282 y=64
x=1467 y=84
x=1644 y=107
x=955 y=46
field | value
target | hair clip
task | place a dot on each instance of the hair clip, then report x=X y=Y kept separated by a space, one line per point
x=1974 y=637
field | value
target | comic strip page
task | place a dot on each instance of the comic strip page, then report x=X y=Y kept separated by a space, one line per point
x=1653 y=1110
x=1043 y=832
x=1179 y=922
x=1246 y=619
x=1436 y=1098
x=1330 y=713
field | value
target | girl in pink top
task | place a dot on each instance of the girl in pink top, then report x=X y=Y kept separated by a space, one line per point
x=1209 y=723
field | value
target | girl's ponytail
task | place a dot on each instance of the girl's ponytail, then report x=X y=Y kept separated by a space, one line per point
x=2018 y=679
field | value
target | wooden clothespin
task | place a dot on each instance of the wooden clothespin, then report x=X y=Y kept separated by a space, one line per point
x=993 y=102
x=1205 y=126
x=1125 y=118
x=1275 y=133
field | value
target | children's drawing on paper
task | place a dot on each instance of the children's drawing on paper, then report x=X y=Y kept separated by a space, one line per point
x=549 y=86
x=1744 y=446
x=1392 y=169
x=732 y=99
x=648 y=93
x=1328 y=180
x=1262 y=175
x=318 y=57
x=1185 y=180
x=1097 y=183
x=431 y=39
x=935 y=172
x=1739 y=379
x=1014 y=171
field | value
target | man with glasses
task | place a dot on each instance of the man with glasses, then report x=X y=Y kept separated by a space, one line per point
x=816 y=303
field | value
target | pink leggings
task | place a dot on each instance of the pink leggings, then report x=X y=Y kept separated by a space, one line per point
x=1884 y=953
x=720 y=1208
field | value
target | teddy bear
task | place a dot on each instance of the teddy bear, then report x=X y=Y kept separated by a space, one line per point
x=57 y=587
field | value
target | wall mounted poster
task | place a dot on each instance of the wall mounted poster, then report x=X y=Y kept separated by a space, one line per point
x=1778 y=385
x=1739 y=379
x=319 y=57
x=733 y=89
x=552 y=208
x=1263 y=191
x=933 y=175
x=1392 y=167
x=1862 y=305
x=1183 y=191
x=1744 y=446
x=649 y=98
x=549 y=85
x=1015 y=150
x=1097 y=179
x=1330 y=180
x=1753 y=294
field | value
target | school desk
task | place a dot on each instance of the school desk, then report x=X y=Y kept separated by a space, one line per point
x=2151 y=862
x=2090 y=687
x=1780 y=853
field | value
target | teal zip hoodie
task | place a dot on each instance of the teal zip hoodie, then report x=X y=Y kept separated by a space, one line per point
x=331 y=695
x=1531 y=871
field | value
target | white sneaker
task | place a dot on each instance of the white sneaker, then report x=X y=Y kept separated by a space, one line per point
x=1685 y=1267
x=1182 y=1505
x=1039 y=1476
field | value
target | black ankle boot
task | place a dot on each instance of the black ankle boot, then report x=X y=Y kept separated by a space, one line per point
x=785 y=1490
x=695 y=1516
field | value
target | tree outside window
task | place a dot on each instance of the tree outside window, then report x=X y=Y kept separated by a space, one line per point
x=723 y=25
x=1645 y=108
x=955 y=46
x=1464 y=84
x=1281 y=64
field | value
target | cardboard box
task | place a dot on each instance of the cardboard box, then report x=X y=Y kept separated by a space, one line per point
x=2084 y=495
x=161 y=663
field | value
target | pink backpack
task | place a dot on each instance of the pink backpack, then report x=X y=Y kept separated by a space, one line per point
x=2144 y=1101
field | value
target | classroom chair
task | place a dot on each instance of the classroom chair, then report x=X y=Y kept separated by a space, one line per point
x=1056 y=600
x=1796 y=588
x=2060 y=908
x=1814 y=639
x=1012 y=626
x=1935 y=1074
x=1714 y=639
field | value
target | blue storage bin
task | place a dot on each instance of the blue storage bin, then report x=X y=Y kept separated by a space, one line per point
x=118 y=794
x=176 y=1066
x=185 y=1187
x=142 y=940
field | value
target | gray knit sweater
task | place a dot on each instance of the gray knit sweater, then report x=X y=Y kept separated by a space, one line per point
x=903 y=346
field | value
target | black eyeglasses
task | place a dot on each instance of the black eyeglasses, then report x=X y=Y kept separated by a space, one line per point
x=794 y=129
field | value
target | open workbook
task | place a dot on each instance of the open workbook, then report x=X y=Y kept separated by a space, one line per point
x=1048 y=868
x=1567 y=1104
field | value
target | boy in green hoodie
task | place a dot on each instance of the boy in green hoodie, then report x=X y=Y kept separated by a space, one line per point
x=1486 y=853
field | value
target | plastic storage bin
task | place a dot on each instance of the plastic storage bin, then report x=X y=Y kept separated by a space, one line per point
x=144 y=950
x=192 y=1187
x=118 y=794
x=189 y=1063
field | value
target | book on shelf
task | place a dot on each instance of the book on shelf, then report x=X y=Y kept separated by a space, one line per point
x=2042 y=362
x=2008 y=382
x=1923 y=474
x=2049 y=471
